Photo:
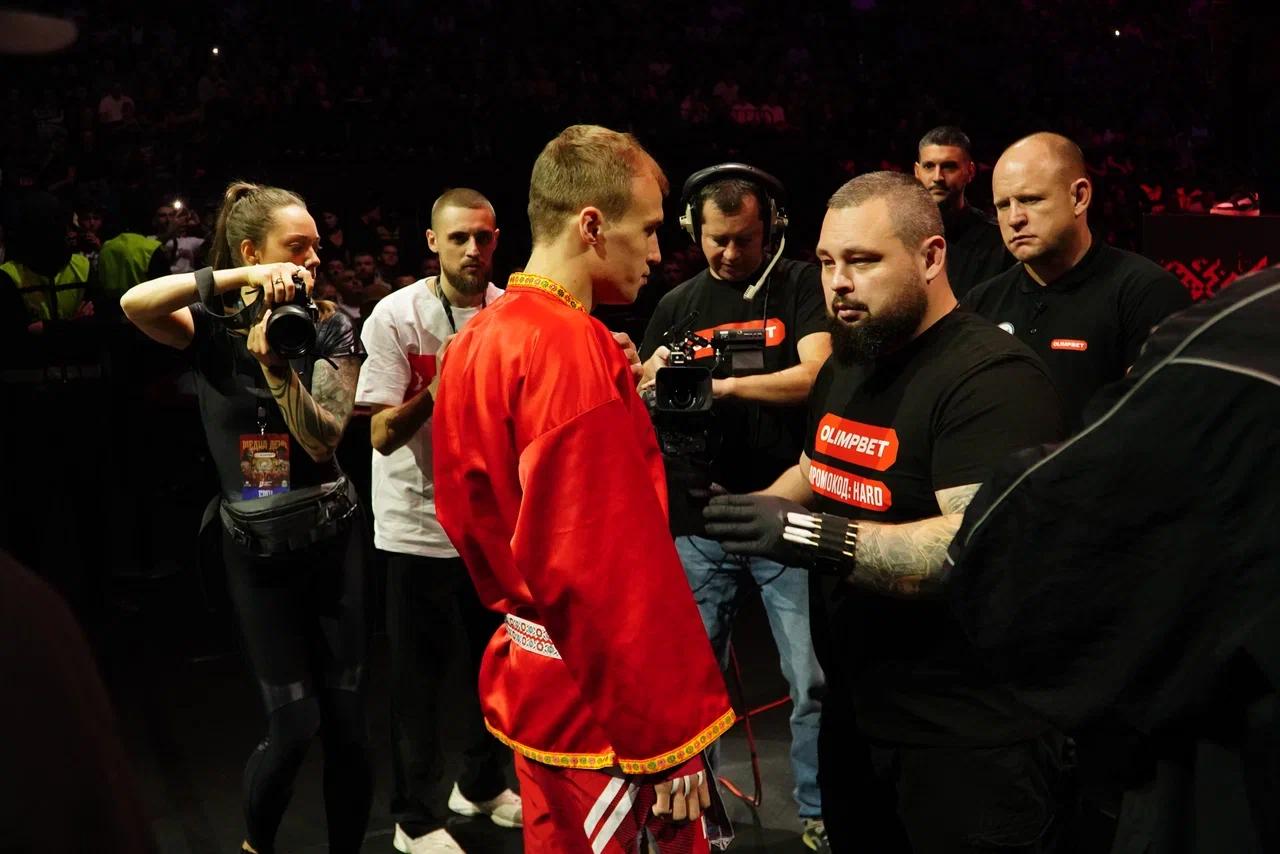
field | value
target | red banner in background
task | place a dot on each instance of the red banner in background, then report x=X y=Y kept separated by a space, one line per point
x=1207 y=253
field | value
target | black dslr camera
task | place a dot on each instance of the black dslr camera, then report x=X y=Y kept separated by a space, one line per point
x=291 y=328
x=680 y=405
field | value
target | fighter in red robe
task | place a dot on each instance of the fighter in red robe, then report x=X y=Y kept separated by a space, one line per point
x=550 y=484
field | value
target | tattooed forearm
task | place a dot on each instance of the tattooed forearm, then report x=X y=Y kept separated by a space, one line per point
x=316 y=421
x=904 y=560
x=909 y=560
x=957 y=498
x=335 y=390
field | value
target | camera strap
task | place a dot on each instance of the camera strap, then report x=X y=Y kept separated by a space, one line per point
x=246 y=316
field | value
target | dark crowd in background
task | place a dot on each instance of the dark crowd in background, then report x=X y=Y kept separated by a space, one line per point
x=371 y=109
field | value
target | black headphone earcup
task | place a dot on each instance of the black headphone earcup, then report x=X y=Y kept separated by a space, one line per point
x=768 y=185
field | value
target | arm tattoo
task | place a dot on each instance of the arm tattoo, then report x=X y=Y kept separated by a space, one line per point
x=957 y=498
x=335 y=391
x=908 y=560
x=317 y=427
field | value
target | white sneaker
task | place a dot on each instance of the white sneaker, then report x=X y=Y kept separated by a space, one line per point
x=435 y=842
x=506 y=810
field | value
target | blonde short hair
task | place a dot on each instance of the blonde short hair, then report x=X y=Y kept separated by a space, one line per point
x=586 y=165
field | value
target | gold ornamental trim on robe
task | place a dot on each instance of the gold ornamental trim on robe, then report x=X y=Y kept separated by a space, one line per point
x=547 y=286
x=596 y=761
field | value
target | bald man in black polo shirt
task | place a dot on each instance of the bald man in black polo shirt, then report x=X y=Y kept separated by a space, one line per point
x=1084 y=307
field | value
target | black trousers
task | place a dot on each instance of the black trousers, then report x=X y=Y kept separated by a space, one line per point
x=302 y=620
x=905 y=799
x=437 y=631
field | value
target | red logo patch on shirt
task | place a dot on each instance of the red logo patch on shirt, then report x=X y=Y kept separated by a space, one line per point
x=1069 y=344
x=422 y=371
x=854 y=442
x=775 y=332
x=849 y=488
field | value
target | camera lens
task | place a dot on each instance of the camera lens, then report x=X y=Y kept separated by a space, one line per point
x=291 y=332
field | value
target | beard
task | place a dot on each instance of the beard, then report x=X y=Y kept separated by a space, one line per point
x=880 y=333
x=467 y=280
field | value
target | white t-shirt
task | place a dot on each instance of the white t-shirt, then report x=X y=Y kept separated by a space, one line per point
x=401 y=338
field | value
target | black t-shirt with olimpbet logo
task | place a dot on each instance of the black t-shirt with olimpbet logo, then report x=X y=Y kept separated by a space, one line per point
x=881 y=441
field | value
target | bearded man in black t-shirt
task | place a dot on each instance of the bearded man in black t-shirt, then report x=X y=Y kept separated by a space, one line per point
x=919 y=749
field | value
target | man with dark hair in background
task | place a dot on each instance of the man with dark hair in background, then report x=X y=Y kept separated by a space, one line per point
x=364 y=284
x=944 y=166
x=1084 y=307
x=365 y=267
x=759 y=425
x=389 y=262
x=162 y=222
x=920 y=751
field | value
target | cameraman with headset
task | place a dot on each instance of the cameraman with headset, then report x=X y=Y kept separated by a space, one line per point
x=734 y=212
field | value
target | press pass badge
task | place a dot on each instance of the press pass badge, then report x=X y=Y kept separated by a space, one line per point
x=264 y=464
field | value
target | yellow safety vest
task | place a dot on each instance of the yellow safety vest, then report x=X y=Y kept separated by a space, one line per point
x=123 y=261
x=36 y=289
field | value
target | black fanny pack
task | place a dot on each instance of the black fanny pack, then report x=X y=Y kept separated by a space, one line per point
x=292 y=521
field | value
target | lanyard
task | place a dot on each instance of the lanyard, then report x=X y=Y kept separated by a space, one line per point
x=448 y=308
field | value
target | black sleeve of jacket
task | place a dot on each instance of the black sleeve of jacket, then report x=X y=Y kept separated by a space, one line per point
x=336 y=336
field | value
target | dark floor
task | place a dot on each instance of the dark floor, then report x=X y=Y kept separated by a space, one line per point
x=189 y=714
x=190 y=718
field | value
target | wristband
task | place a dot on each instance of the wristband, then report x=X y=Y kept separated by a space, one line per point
x=831 y=540
x=205 y=287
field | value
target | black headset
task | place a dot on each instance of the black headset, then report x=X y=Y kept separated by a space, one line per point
x=768 y=187
x=773 y=197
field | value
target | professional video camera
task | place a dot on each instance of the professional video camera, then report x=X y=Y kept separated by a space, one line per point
x=680 y=405
x=680 y=402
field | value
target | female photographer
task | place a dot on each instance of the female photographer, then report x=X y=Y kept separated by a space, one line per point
x=291 y=545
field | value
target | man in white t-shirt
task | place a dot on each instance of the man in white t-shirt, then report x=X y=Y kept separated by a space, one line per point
x=436 y=626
